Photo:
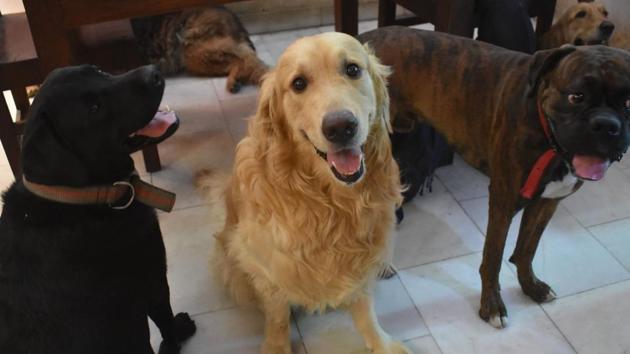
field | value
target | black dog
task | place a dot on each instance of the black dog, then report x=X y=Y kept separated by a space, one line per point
x=81 y=276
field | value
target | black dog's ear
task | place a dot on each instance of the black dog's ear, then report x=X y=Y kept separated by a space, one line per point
x=586 y=0
x=543 y=62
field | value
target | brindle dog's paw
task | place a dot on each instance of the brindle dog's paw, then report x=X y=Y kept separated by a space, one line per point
x=493 y=310
x=235 y=87
x=387 y=271
x=184 y=327
x=539 y=291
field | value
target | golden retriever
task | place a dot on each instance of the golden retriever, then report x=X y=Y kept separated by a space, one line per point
x=584 y=23
x=310 y=204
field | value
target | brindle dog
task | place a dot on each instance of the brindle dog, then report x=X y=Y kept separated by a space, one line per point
x=207 y=41
x=485 y=100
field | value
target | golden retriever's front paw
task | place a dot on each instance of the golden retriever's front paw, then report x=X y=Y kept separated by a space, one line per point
x=394 y=348
x=274 y=348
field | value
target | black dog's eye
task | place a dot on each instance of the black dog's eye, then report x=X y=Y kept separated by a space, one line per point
x=353 y=70
x=627 y=105
x=580 y=14
x=94 y=108
x=299 y=84
x=576 y=98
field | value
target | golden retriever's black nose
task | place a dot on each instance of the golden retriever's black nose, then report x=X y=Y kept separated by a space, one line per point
x=605 y=125
x=340 y=127
x=607 y=27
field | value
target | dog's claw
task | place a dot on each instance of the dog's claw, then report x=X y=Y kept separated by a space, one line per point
x=498 y=322
x=550 y=296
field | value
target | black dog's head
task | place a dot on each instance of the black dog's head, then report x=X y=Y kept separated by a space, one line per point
x=585 y=95
x=84 y=123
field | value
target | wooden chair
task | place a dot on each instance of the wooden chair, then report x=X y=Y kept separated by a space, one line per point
x=19 y=68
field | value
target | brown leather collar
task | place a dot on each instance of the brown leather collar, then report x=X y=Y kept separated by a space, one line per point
x=110 y=195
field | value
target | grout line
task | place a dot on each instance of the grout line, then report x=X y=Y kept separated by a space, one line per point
x=439 y=260
x=605 y=222
x=297 y=327
x=420 y=314
x=426 y=336
x=566 y=339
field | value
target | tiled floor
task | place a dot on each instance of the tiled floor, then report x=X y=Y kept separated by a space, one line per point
x=432 y=304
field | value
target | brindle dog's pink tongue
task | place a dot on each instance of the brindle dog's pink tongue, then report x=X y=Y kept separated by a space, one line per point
x=590 y=167
x=346 y=162
x=158 y=125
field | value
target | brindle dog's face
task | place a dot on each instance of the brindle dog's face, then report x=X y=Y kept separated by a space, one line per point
x=587 y=100
x=586 y=23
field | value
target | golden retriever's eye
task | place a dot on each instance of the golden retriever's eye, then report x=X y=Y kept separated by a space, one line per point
x=576 y=98
x=353 y=70
x=299 y=84
x=94 y=108
x=580 y=14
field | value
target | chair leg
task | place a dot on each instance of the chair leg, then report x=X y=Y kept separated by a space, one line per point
x=347 y=16
x=546 y=11
x=151 y=158
x=21 y=101
x=9 y=138
x=386 y=12
x=455 y=17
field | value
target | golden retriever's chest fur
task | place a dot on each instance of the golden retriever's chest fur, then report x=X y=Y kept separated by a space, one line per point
x=318 y=245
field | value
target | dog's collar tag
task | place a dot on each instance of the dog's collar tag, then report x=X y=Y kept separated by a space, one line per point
x=110 y=195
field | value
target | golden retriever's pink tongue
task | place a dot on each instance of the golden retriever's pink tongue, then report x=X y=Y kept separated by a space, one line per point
x=158 y=125
x=346 y=162
x=590 y=167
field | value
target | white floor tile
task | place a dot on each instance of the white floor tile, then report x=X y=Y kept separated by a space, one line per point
x=189 y=240
x=603 y=201
x=224 y=94
x=615 y=236
x=462 y=180
x=596 y=321
x=435 y=228
x=568 y=258
x=447 y=294
x=234 y=331
x=423 y=345
x=239 y=110
x=334 y=332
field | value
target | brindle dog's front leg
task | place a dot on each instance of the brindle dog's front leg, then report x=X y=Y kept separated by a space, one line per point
x=501 y=211
x=535 y=219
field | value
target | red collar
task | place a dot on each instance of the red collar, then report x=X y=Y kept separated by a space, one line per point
x=532 y=184
x=134 y=188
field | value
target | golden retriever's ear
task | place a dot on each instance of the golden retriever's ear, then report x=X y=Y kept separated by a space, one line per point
x=379 y=73
x=266 y=114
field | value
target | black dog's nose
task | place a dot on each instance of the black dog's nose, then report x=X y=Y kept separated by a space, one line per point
x=152 y=76
x=340 y=127
x=605 y=125
x=607 y=27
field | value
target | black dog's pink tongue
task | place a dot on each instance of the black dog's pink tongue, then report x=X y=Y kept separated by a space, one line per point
x=590 y=167
x=347 y=162
x=158 y=125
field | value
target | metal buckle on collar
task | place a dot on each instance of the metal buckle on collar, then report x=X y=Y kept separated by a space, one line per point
x=131 y=198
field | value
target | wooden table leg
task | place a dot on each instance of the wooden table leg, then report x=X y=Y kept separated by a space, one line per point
x=545 y=10
x=9 y=138
x=455 y=17
x=386 y=12
x=347 y=16
x=151 y=158
x=21 y=101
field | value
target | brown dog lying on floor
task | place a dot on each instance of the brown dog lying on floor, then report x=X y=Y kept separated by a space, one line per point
x=584 y=23
x=310 y=205
x=207 y=41
x=536 y=125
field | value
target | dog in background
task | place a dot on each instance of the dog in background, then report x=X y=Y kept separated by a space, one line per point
x=82 y=260
x=206 y=41
x=585 y=23
x=310 y=205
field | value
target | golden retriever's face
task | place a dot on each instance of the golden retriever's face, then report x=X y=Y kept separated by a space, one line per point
x=586 y=24
x=330 y=91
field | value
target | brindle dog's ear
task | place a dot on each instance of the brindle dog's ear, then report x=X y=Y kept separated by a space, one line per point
x=543 y=62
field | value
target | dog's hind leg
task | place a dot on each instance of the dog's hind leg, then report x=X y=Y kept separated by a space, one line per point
x=375 y=338
x=174 y=329
x=277 y=324
x=535 y=219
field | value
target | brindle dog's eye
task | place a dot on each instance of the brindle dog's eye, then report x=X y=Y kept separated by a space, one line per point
x=576 y=98
x=353 y=70
x=580 y=14
x=299 y=84
x=94 y=108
